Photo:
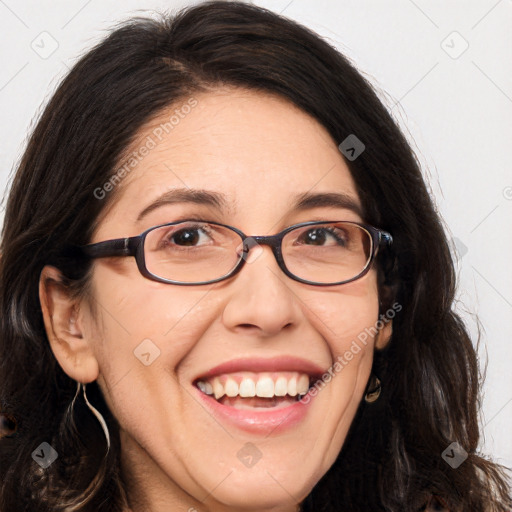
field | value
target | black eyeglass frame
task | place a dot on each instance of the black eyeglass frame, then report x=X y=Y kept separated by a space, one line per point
x=134 y=246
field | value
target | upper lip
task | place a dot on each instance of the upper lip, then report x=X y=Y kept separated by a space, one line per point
x=258 y=364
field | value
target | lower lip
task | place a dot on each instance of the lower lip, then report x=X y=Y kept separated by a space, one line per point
x=262 y=419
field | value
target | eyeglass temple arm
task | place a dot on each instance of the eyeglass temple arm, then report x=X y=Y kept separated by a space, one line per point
x=117 y=247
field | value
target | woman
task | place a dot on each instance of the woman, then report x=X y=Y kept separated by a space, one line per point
x=222 y=274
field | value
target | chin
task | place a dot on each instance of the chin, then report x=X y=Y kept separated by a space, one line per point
x=263 y=492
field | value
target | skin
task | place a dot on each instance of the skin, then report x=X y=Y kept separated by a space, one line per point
x=260 y=151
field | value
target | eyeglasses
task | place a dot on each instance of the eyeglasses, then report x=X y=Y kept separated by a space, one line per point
x=193 y=252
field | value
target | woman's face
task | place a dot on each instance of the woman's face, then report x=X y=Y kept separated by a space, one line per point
x=152 y=341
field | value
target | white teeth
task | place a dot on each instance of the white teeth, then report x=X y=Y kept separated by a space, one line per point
x=281 y=386
x=303 y=385
x=218 y=388
x=208 y=388
x=231 y=387
x=247 y=388
x=265 y=387
x=292 y=386
x=250 y=385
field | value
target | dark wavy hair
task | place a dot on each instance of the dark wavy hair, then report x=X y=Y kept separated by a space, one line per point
x=391 y=459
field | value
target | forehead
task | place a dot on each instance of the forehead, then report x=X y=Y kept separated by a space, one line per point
x=257 y=149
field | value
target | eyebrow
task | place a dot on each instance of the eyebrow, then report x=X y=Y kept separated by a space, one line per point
x=308 y=201
x=303 y=202
x=187 y=195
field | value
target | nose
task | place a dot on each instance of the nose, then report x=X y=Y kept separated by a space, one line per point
x=261 y=296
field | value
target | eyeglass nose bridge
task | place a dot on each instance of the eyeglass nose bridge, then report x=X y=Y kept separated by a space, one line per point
x=273 y=241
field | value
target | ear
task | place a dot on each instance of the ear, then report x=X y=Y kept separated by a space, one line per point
x=64 y=322
x=384 y=335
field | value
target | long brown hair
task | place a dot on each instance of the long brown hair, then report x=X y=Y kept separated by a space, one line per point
x=391 y=459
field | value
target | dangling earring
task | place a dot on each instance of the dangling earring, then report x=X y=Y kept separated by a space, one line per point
x=95 y=411
x=373 y=389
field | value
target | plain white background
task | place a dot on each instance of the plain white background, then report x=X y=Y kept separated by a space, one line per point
x=442 y=68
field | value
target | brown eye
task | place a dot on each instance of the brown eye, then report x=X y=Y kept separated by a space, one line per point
x=182 y=237
x=8 y=425
x=319 y=236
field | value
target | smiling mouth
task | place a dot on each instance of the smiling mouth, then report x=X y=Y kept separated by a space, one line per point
x=249 y=390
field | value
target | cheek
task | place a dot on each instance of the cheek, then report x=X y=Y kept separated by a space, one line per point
x=145 y=325
x=351 y=335
x=346 y=314
x=347 y=318
x=147 y=331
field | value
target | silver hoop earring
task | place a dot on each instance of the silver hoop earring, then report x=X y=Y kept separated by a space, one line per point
x=95 y=411
x=373 y=389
